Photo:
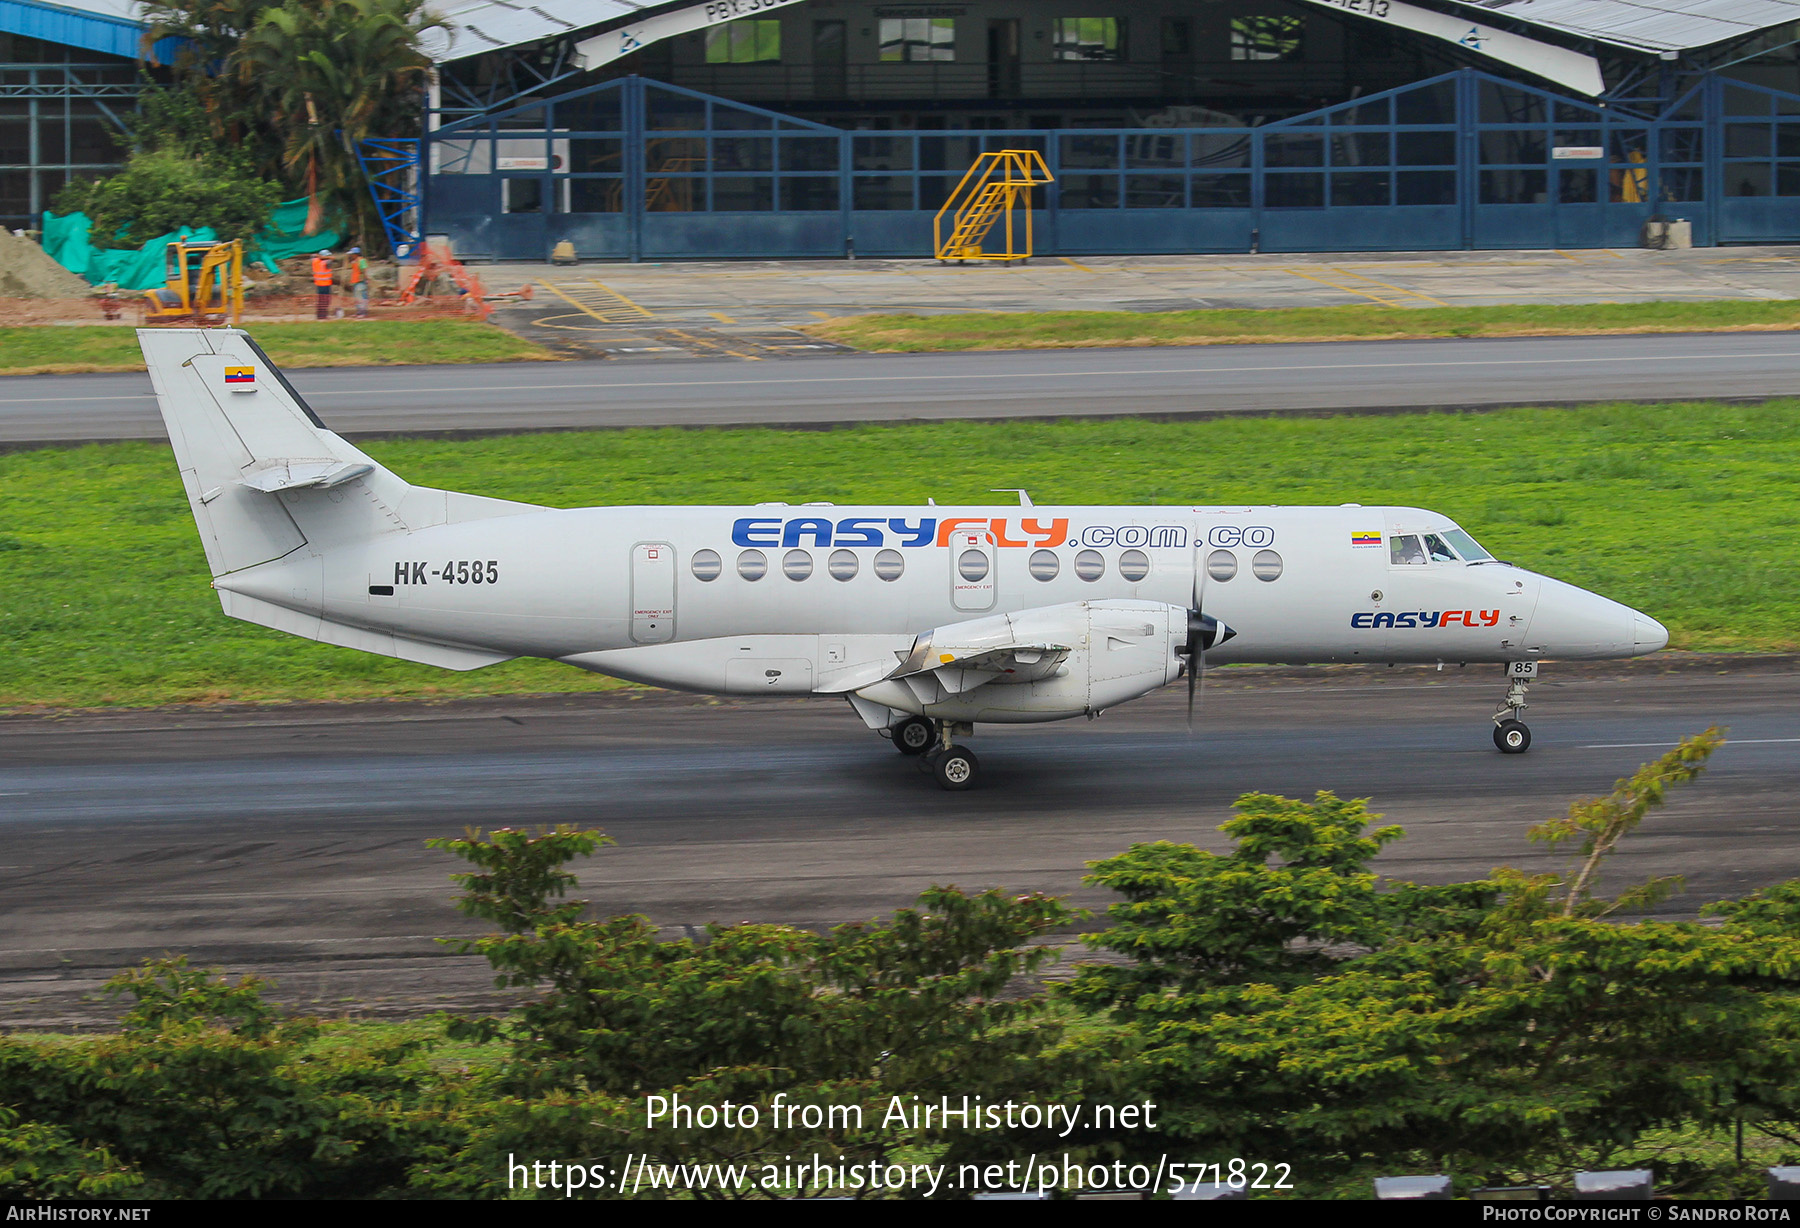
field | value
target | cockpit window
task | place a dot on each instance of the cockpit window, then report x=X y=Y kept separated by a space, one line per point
x=1405 y=548
x=1439 y=549
x=1466 y=546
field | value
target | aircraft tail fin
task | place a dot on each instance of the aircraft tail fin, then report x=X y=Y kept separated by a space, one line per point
x=263 y=475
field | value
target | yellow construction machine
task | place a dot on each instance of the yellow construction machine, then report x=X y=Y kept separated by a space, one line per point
x=205 y=284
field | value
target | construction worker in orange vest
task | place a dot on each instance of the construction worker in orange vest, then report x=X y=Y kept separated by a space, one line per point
x=321 y=271
x=356 y=273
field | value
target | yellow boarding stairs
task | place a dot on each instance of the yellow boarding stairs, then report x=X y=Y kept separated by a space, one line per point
x=997 y=187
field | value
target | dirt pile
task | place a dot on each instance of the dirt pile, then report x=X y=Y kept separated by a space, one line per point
x=26 y=271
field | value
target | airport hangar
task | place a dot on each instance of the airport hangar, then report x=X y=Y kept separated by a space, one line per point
x=836 y=128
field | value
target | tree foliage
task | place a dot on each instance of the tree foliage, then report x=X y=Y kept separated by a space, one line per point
x=851 y=1017
x=206 y=1092
x=1501 y=1029
x=166 y=191
x=290 y=87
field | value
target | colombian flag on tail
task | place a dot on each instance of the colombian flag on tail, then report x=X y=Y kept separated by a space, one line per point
x=241 y=377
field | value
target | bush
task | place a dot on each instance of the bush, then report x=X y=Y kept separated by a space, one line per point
x=166 y=191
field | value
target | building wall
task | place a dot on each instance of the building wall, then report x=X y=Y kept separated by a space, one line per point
x=1172 y=52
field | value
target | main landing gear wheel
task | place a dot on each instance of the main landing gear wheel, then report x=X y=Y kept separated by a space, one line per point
x=915 y=735
x=955 y=768
x=1512 y=737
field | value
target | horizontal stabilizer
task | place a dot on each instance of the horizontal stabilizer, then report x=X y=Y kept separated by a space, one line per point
x=279 y=475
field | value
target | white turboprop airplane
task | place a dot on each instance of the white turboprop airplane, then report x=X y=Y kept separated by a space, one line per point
x=927 y=619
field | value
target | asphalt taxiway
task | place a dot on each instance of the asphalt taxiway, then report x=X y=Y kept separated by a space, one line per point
x=841 y=389
x=289 y=841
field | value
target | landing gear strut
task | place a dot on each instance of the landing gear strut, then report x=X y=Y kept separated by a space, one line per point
x=1511 y=736
x=954 y=766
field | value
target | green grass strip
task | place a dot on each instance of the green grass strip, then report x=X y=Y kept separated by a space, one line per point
x=1032 y=330
x=50 y=349
x=1689 y=512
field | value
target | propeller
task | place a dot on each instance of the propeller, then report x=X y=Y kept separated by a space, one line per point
x=1203 y=632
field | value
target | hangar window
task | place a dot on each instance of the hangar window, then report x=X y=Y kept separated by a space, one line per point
x=1045 y=565
x=1265 y=565
x=1089 y=38
x=1266 y=37
x=1221 y=565
x=753 y=565
x=796 y=564
x=913 y=39
x=889 y=564
x=843 y=565
x=1090 y=565
x=744 y=42
x=706 y=565
x=1134 y=565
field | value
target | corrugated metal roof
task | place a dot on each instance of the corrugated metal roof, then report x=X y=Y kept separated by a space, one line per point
x=488 y=25
x=110 y=26
x=1648 y=25
x=475 y=26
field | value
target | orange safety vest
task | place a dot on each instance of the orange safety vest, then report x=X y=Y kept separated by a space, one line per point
x=357 y=265
x=321 y=272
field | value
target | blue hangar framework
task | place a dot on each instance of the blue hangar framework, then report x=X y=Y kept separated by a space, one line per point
x=824 y=128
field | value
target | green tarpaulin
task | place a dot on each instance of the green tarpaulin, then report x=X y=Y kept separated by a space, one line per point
x=66 y=239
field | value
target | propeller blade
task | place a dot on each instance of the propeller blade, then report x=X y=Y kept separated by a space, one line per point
x=1193 y=683
x=1204 y=631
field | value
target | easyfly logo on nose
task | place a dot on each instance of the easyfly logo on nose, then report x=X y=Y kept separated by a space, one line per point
x=1427 y=618
x=898 y=531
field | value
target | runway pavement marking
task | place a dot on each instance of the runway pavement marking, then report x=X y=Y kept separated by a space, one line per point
x=1074 y=265
x=607 y=305
x=1003 y=375
x=721 y=317
x=1642 y=745
x=1383 y=299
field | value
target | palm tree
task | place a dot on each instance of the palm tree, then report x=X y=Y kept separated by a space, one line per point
x=209 y=63
x=333 y=72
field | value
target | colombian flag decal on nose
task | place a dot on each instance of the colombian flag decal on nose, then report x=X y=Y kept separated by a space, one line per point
x=240 y=376
x=1365 y=539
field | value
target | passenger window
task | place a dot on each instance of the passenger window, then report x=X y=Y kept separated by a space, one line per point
x=1439 y=549
x=753 y=565
x=796 y=564
x=1405 y=548
x=1090 y=565
x=1134 y=565
x=889 y=564
x=1044 y=565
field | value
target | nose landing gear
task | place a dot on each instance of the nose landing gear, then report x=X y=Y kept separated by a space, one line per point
x=1511 y=736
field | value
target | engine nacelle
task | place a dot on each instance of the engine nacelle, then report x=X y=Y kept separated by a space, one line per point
x=1045 y=664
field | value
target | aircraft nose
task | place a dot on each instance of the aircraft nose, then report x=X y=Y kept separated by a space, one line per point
x=1648 y=635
